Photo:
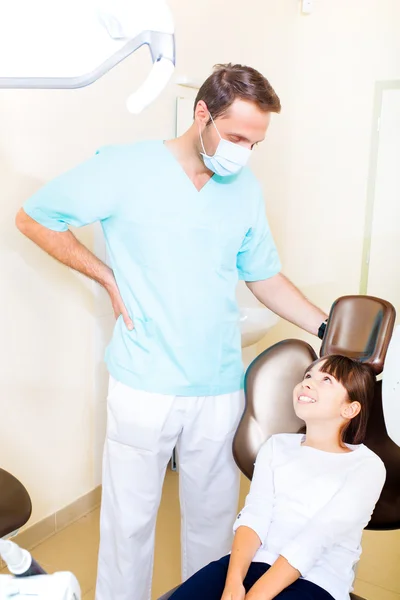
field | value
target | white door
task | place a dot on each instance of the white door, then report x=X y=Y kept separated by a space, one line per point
x=384 y=258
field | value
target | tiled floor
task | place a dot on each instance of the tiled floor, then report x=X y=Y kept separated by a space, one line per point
x=75 y=549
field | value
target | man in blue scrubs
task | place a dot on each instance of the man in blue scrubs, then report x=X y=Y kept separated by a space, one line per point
x=183 y=220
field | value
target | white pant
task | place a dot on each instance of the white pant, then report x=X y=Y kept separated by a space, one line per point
x=142 y=432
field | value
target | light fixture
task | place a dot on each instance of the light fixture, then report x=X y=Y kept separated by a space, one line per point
x=68 y=44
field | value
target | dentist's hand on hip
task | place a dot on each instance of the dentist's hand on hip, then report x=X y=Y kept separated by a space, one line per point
x=65 y=247
x=118 y=305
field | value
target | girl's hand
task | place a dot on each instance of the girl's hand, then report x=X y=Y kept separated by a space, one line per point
x=234 y=591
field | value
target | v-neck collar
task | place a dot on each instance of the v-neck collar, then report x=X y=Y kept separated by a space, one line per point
x=209 y=183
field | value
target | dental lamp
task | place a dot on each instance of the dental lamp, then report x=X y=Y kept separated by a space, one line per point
x=66 y=44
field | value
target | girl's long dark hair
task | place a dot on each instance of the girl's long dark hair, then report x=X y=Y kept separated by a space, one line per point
x=358 y=380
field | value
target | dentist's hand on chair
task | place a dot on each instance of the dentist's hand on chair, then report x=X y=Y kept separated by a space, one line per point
x=234 y=591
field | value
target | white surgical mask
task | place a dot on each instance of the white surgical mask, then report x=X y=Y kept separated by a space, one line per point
x=229 y=158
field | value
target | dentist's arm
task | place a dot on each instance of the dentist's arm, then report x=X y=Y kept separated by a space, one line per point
x=88 y=193
x=63 y=246
x=259 y=266
x=280 y=295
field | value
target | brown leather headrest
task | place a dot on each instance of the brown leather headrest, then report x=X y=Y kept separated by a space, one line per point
x=360 y=327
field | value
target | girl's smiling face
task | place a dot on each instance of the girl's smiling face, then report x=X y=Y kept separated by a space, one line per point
x=321 y=397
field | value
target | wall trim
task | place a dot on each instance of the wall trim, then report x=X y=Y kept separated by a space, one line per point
x=33 y=536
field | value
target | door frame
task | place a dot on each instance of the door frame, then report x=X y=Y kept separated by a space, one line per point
x=380 y=88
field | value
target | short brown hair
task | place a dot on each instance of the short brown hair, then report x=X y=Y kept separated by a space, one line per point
x=358 y=380
x=236 y=82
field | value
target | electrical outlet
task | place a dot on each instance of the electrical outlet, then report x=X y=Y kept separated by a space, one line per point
x=306 y=6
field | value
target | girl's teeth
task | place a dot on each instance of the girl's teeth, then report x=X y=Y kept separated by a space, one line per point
x=306 y=399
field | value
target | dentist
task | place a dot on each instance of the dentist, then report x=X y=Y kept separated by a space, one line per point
x=183 y=220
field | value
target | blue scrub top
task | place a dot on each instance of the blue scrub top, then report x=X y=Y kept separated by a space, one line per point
x=177 y=254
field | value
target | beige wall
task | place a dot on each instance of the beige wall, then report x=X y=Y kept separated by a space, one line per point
x=313 y=167
x=318 y=152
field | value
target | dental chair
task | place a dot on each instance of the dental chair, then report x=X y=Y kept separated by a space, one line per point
x=15 y=504
x=359 y=327
x=15 y=511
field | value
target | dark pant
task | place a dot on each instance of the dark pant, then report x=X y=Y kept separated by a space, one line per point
x=209 y=583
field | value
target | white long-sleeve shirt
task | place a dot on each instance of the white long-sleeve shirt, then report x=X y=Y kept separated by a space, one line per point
x=311 y=507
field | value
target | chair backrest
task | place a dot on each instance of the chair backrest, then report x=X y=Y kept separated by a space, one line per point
x=15 y=504
x=359 y=327
x=269 y=384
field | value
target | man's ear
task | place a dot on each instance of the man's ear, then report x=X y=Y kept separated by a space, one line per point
x=201 y=113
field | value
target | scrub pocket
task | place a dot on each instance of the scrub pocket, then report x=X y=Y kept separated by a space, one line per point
x=132 y=349
x=136 y=418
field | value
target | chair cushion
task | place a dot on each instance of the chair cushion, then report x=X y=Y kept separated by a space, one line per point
x=15 y=504
x=387 y=510
x=269 y=399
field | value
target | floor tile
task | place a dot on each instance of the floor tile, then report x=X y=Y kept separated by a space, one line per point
x=372 y=592
x=380 y=560
x=73 y=549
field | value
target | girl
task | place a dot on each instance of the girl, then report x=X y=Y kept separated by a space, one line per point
x=298 y=536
